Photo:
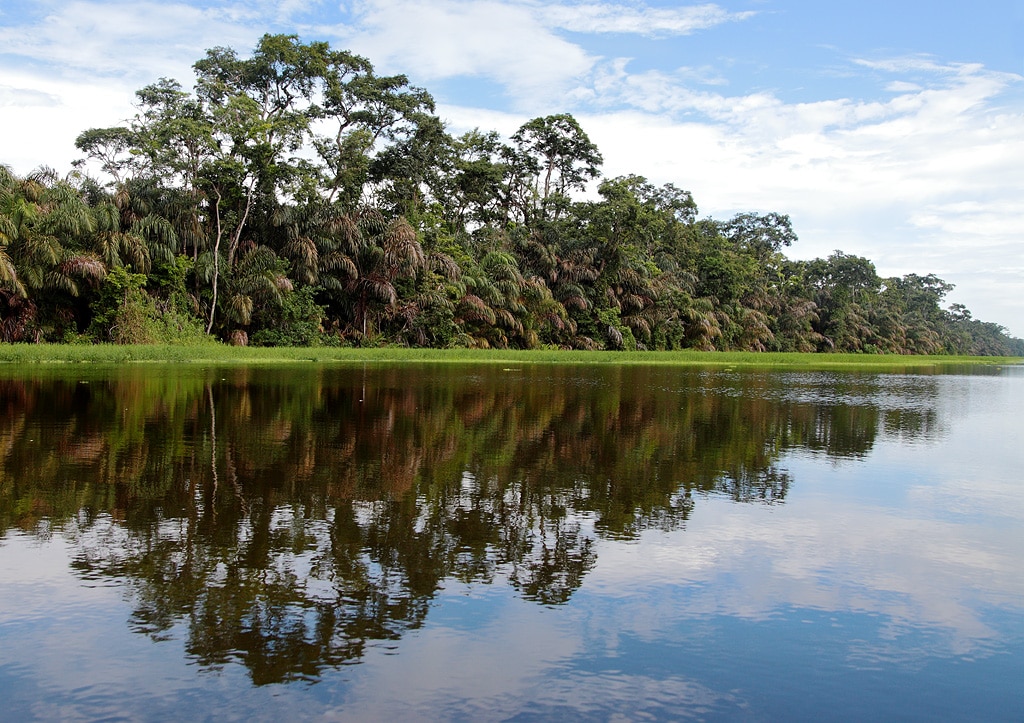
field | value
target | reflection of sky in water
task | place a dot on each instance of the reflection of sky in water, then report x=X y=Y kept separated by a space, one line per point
x=891 y=585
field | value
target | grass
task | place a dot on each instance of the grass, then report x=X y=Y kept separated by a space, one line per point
x=223 y=354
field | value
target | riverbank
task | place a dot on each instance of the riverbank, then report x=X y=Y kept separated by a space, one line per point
x=223 y=354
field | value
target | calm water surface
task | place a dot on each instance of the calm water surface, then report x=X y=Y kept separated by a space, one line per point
x=482 y=543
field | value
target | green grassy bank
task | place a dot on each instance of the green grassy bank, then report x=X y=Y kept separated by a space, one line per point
x=219 y=353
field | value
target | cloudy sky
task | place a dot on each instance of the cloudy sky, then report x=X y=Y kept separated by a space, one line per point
x=891 y=129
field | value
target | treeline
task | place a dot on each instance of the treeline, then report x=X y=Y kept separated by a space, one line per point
x=296 y=197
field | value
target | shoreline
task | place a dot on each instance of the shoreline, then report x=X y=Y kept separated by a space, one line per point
x=33 y=354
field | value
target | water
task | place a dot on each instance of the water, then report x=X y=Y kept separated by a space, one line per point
x=484 y=543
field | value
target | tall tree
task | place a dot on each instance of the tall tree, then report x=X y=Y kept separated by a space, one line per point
x=552 y=156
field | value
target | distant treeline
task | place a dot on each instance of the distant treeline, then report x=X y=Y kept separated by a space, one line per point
x=296 y=197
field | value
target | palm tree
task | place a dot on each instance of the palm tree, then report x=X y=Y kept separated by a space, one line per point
x=388 y=251
x=46 y=232
x=427 y=316
x=356 y=258
x=257 y=281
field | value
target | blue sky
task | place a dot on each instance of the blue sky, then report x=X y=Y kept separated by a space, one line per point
x=891 y=129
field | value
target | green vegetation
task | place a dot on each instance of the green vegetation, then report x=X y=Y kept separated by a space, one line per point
x=295 y=197
x=216 y=353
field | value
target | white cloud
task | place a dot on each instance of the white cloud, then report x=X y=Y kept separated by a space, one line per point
x=639 y=19
x=42 y=116
x=500 y=41
x=866 y=560
x=124 y=39
x=459 y=119
x=911 y=552
x=439 y=660
x=902 y=86
x=913 y=64
x=26 y=97
x=76 y=65
x=515 y=44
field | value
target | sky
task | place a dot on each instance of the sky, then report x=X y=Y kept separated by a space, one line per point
x=890 y=129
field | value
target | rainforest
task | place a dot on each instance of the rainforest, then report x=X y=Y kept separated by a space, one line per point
x=295 y=197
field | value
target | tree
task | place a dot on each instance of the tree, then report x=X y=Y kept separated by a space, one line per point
x=298 y=169
x=362 y=109
x=760 y=236
x=555 y=156
x=471 y=186
x=916 y=302
x=47 y=265
x=844 y=287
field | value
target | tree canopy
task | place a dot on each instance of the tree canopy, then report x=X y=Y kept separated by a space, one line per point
x=295 y=196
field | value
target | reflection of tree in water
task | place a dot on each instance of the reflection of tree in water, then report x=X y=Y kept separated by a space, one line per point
x=287 y=595
x=288 y=521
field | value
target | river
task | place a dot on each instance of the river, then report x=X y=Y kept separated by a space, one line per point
x=485 y=543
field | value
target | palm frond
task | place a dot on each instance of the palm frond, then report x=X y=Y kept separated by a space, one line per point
x=304 y=253
x=444 y=265
x=473 y=308
x=137 y=253
x=8 y=229
x=240 y=308
x=108 y=246
x=402 y=250
x=572 y=296
x=614 y=337
x=9 y=275
x=108 y=218
x=206 y=267
x=86 y=266
x=371 y=221
x=58 y=281
x=67 y=213
x=638 y=324
x=20 y=212
x=7 y=177
x=42 y=177
x=38 y=250
x=254 y=260
x=339 y=264
x=378 y=289
x=331 y=283
x=343 y=230
x=160 y=238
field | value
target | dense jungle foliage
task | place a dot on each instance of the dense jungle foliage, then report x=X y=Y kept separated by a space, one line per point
x=295 y=197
